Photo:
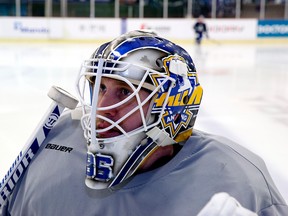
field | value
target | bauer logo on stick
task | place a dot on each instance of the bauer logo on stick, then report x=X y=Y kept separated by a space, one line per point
x=61 y=100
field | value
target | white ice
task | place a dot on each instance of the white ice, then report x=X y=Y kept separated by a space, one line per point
x=245 y=94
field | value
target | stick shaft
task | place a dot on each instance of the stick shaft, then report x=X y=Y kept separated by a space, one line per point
x=28 y=152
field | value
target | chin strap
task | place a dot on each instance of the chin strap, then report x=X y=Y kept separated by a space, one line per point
x=160 y=137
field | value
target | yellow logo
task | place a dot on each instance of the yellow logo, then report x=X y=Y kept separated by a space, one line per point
x=184 y=97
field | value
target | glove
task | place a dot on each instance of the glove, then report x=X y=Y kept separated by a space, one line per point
x=221 y=204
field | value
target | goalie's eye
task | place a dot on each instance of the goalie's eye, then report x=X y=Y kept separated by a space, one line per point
x=125 y=92
x=102 y=88
x=114 y=90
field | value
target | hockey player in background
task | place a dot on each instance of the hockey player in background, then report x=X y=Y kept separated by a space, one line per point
x=200 y=29
x=140 y=153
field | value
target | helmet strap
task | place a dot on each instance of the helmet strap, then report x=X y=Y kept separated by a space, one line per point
x=160 y=137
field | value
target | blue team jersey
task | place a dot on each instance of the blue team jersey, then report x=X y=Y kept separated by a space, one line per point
x=54 y=183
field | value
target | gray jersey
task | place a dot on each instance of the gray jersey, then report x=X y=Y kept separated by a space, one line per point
x=54 y=183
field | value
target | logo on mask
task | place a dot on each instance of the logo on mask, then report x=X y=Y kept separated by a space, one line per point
x=184 y=97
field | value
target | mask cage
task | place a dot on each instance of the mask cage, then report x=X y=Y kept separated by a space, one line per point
x=90 y=75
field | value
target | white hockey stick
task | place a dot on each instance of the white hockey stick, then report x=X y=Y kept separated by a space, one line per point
x=61 y=100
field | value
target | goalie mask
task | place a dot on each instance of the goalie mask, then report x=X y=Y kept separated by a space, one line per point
x=153 y=100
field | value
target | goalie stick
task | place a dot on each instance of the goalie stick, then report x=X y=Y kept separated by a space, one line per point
x=61 y=100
